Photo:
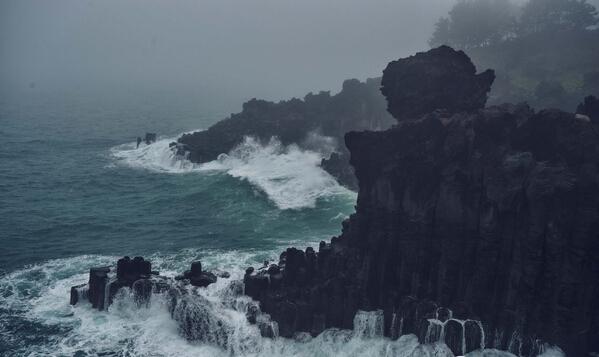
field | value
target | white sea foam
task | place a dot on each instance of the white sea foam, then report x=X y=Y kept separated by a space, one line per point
x=157 y=157
x=290 y=177
x=39 y=294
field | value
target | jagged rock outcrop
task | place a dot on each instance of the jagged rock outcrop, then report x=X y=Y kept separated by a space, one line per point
x=358 y=106
x=337 y=164
x=479 y=227
x=197 y=318
x=102 y=286
x=441 y=78
x=137 y=275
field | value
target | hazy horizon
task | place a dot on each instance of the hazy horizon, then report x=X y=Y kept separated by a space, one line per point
x=263 y=48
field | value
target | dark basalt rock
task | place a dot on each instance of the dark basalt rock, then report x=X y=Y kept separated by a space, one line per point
x=137 y=275
x=441 y=78
x=79 y=292
x=130 y=270
x=358 y=106
x=150 y=138
x=484 y=223
x=98 y=278
x=338 y=166
x=197 y=277
x=197 y=319
x=101 y=288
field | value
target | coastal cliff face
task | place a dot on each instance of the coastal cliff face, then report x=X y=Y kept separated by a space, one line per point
x=474 y=226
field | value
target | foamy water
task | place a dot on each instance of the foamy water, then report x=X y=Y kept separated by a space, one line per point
x=157 y=157
x=290 y=177
x=128 y=330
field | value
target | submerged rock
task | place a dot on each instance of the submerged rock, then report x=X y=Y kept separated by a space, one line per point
x=198 y=277
x=475 y=225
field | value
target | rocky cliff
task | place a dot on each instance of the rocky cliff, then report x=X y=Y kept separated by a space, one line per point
x=359 y=106
x=475 y=226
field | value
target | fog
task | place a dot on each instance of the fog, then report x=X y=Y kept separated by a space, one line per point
x=272 y=49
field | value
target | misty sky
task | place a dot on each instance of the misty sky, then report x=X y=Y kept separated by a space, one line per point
x=264 y=48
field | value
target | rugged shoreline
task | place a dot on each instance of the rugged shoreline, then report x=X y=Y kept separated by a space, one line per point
x=358 y=106
x=476 y=227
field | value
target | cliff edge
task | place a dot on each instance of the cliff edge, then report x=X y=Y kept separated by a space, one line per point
x=474 y=226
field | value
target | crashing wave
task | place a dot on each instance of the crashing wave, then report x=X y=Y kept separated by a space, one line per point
x=36 y=296
x=290 y=176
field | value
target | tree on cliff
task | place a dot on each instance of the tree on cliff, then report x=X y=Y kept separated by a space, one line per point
x=556 y=15
x=475 y=23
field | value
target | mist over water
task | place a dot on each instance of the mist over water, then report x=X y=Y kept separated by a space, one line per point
x=230 y=49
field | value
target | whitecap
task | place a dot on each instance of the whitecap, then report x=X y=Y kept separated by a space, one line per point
x=289 y=176
x=157 y=157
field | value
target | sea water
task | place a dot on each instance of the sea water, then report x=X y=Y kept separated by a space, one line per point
x=76 y=192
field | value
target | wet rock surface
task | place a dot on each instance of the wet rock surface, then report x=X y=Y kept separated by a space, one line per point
x=135 y=274
x=476 y=226
x=338 y=165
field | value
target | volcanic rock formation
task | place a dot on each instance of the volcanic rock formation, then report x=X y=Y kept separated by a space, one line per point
x=438 y=79
x=135 y=274
x=359 y=106
x=475 y=226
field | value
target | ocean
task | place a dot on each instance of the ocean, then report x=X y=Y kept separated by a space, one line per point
x=76 y=192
